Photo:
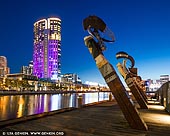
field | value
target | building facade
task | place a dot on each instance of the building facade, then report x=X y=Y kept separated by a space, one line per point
x=47 y=48
x=71 y=78
x=28 y=70
x=4 y=70
x=164 y=79
x=154 y=85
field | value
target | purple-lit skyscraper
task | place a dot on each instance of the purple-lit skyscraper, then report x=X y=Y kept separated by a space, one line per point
x=47 y=48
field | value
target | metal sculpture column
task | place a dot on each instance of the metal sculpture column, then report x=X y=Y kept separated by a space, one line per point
x=95 y=25
x=131 y=78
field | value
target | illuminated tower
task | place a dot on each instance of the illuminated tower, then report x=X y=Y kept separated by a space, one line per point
x=4 y=70
x=47 y=48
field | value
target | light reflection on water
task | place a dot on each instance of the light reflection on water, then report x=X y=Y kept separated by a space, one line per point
x=15 y=106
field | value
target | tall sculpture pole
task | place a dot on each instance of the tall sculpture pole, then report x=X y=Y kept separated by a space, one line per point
x=130 y=77
x=94 y=24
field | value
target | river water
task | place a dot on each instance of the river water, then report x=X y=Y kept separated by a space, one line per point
x=16 y=106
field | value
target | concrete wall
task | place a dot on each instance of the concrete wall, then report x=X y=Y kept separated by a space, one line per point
x=164 y=95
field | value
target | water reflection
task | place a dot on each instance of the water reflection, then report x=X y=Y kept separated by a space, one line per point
x=95 y=97
x=16 y=106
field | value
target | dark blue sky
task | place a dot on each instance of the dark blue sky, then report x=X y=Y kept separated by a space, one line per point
x=141 y=28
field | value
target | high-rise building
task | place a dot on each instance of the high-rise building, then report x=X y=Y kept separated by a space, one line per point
x=28 y=70
x=47 y=48
x=164 y=78
x=4 y=70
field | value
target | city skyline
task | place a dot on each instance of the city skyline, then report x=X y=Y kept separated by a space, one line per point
x=141 y=29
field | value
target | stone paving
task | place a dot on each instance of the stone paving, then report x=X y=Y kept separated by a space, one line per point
x=104 y=119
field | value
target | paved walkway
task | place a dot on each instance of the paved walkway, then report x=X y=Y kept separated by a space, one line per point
x=105 y=119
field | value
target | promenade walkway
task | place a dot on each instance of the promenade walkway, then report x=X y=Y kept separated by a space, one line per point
x=104 y=119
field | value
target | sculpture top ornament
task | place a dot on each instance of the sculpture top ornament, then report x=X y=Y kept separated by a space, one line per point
x=96 y=27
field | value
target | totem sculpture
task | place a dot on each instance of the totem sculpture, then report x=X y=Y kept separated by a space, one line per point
x=131 y=78
x=95 y=44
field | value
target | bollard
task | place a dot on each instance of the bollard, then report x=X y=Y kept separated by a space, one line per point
x=80 y=100
x=110 y=97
